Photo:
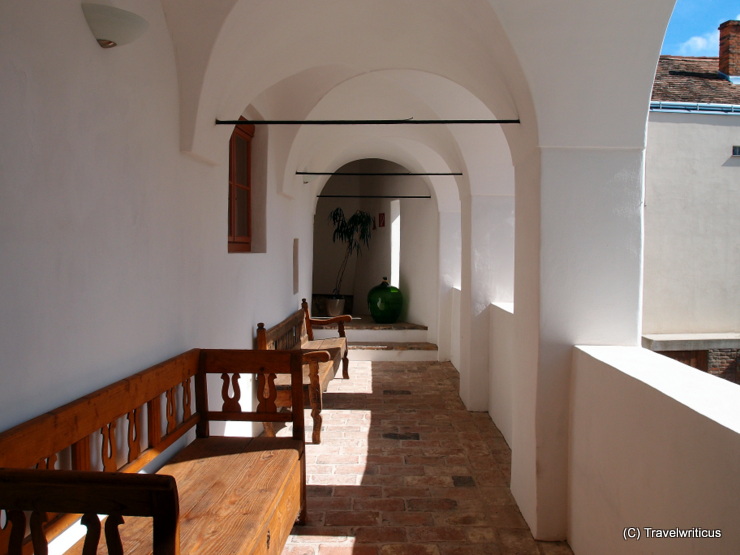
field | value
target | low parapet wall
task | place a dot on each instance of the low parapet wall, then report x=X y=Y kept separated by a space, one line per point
x=654 y=451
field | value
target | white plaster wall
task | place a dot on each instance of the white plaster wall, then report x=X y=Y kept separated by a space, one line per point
x=419 y=272
x=526 y=340
x=589 y=290
x=488 y=276
x=502 y=367
x=653 y=443
x=376 y=263
x=454 y=300
x=448 y=317
x=494 y=264
x=692 y=202
x=114 y=243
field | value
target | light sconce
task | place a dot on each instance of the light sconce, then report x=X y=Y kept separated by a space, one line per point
x=113 y=26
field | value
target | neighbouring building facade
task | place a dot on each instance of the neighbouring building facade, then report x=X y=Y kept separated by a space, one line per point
x=692 y=202
x=117 y=234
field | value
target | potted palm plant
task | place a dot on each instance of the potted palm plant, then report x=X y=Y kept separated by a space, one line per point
x=354 y=232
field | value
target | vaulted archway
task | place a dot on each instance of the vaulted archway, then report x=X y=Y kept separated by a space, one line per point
x=547 y=212
x=561 y=163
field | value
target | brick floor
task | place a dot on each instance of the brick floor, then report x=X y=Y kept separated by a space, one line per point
x=404 y=469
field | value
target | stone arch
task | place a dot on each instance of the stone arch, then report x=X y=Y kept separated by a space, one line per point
x=214 y=83
x=581 y=93
x=418 y=257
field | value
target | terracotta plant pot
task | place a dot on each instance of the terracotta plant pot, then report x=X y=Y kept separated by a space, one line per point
x=335 y=307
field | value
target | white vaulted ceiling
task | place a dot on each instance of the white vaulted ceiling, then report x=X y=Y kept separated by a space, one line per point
x=350 y=60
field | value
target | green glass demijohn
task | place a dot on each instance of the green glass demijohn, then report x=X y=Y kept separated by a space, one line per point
x=385 y=302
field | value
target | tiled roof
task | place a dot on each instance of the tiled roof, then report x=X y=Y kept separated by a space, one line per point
x=690 y=79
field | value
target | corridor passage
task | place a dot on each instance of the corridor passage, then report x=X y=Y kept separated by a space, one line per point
x=404 y=469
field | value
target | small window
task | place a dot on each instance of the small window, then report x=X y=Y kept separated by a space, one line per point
x=736 y=150
x=240 y=189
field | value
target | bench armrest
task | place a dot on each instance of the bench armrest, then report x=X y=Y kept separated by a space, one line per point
x=91 y=493
x=333 y=320
x=339 y=320
x=310 y=356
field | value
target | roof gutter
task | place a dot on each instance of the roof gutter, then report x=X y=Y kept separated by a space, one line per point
x=695 y=107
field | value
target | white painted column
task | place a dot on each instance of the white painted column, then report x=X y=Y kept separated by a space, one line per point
x=450 y=247
x=526 y=321
x=487 y=276
x=589 y=264
x=395 y=222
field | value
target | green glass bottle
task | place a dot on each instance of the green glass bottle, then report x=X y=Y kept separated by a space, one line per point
x=385 y=302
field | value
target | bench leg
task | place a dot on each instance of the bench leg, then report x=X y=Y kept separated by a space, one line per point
x=269 y=429
x=345 y=366
x=316 y=402
x=303 y=514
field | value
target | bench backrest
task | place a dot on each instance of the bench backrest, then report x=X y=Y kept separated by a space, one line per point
x=266 y=365
x=125 y=426
x=148 y=410
x=288 y=334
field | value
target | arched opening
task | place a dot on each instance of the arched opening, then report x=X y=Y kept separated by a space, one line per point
x=386 y=191
x=576 y=165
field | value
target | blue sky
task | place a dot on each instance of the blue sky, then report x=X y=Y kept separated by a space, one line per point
x=692 y=30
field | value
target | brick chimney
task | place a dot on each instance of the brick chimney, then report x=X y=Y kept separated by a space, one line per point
x=729 y=50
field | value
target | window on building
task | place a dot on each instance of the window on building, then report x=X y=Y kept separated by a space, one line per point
x=240 y=189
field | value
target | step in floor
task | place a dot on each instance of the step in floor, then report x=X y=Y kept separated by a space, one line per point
x=393 y=350
x=364 y=329
x=365 y=322
x=392 y=346
x=369 y=340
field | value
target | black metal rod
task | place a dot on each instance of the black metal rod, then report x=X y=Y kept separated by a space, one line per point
x=409 y=121
x=374 y=196
x=379 y=173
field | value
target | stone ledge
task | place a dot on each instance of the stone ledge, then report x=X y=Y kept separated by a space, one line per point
x=367 y=323
x=690 y=341
x=391 y=346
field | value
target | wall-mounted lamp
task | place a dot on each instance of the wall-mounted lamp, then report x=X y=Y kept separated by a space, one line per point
x=113 y=26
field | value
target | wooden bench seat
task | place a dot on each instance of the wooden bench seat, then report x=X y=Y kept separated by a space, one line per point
x=215 y=495
x=227 y=497
x=296 y=332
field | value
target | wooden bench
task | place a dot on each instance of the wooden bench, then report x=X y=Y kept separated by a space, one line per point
x=296 y=332
x=216 y=495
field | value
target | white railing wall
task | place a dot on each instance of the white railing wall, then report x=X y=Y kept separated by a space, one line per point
x=454 y=345
x=654 y=445
x=502 y=361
